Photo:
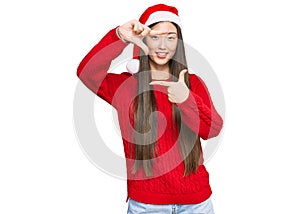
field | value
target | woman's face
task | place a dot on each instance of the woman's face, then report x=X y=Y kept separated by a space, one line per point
x=162 y=47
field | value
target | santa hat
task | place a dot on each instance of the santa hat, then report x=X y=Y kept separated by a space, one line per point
x=153 y=14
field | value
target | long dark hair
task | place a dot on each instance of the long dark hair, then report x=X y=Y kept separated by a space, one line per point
x=143 y=107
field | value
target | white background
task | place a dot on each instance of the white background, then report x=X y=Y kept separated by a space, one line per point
x=253 y=47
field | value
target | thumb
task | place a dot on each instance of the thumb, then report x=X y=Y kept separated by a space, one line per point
x=139 y=42
x=181 y=75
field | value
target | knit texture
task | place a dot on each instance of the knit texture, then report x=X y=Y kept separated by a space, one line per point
x=168 y=186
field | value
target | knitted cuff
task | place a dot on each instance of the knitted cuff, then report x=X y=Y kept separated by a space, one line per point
x=118 y=34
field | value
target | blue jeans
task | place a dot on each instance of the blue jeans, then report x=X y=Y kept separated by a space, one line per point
x=135 y=207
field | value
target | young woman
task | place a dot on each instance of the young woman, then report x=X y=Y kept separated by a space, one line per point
x=163 y=112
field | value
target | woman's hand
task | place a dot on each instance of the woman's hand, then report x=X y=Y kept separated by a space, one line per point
x=134 y=32
x=178 y=91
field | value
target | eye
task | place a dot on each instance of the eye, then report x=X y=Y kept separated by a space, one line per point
x=154 y=37
x=171 y=38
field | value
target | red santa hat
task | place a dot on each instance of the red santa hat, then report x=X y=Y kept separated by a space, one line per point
x=153 y=14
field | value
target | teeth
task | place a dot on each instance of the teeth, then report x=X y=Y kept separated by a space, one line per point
x=162 y=54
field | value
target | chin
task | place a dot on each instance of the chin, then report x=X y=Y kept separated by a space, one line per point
x=161 y=62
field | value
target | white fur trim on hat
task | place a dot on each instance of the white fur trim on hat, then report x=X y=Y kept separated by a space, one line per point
x=133 y=66
x=163 y=16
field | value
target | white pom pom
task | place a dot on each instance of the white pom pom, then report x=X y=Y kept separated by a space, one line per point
x=133 y=66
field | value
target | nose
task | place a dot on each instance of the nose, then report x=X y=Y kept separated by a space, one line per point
x=162 y=43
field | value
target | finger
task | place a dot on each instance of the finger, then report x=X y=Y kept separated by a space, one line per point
x=157 y=32
x=139 y=42
x=139 y=28
x=163 y=83
x=146 y=31
x=135 y=26
x=181 y=75
x=145 y=26
x=170 y=99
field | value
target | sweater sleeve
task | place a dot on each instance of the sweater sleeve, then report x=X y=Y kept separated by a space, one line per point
x=92 y=70
x=198 y=111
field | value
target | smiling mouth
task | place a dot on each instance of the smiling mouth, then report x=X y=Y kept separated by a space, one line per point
x=161 y=54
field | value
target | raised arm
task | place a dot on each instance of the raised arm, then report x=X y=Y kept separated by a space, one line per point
x=92 y=70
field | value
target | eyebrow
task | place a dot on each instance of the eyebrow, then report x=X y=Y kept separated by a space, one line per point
x=172 y=33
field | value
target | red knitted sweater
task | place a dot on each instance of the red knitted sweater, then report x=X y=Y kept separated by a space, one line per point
x=168 y=185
